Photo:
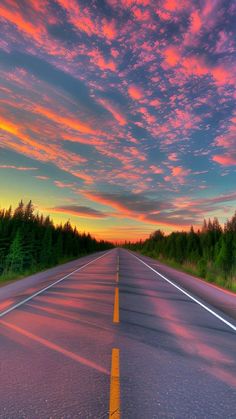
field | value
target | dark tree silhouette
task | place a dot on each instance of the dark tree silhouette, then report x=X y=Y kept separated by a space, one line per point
x=30 y=242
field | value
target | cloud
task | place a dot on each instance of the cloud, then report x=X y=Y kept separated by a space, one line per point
x=225 y=159
x=79 y=211
x=143 y=209
x=228 y=143
x=173 y=157
x=20 y=168
x=73 y=123
x=178 y=174
x=196 y=22
x=114 y=110
x=109 y=29
x=135 y=92
x=42 y=177
x=79 y=17
x=156 y=170
x=172 y=56
x=98 y=59
x=174 y=5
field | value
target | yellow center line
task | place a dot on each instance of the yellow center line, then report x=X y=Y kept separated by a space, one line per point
x=117 y=270
x=114 y=408
x=116 y=317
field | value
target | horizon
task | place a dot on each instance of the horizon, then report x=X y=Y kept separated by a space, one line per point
x=116 y=242
x=120 y=115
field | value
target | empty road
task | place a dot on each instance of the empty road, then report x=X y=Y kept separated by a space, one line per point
x=116 y=335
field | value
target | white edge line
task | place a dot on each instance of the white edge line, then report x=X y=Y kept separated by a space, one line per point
x=3 y=313
x=188 y=295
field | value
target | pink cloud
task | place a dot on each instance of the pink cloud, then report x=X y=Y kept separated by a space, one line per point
x=63 y=185
x=109 y=29
x=174 y=5
x=196 y=22
x=225 y=159
x=113 y=109
x=173 y=157
x=172 y=56
x=141 y=15
x=104 y=64
x=156 y=170
x=134 y=152
x=80 y=18
x=179 y=174
x=135 y=92
x=227 y=141
x=155 y=103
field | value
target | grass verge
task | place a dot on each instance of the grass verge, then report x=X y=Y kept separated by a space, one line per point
x=212 y=275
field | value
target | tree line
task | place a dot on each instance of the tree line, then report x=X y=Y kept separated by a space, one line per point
x=30 y=242
x=209 y=252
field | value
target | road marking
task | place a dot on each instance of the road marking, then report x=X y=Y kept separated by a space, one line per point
x=3 y=313
x=189 y=295
x=117 y=269
x=116 y=317
x=114 y=408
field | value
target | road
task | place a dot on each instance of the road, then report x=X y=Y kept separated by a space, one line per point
x=107 y=336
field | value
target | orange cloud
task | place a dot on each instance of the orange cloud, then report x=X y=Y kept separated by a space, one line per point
x=172 y=56
x=80 y=18
x=178 y=171
x=135 y=92
x=12 y=13
x=109 y=29
x=98 y=59
x=73 y=123
x=174 y=5
x=23 y=144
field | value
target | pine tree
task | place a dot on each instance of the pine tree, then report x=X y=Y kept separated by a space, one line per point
x=14 y=260
x=46 y=248
x=29 y=211
x=19 y=211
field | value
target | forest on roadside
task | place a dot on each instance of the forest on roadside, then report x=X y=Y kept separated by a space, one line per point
x=30 y=242
x=209 y=252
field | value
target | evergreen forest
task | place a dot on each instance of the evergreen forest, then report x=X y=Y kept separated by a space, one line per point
x=209 y=252
x=30 y=242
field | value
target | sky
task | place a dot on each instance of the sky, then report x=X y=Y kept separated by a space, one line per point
x=119 y=114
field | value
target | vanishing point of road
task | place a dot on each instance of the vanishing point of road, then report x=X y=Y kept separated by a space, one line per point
x=116 y=335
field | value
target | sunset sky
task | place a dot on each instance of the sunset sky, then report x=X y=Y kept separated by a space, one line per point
x=119 y=114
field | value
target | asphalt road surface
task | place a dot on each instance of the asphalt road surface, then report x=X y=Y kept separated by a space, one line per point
x=116 y=335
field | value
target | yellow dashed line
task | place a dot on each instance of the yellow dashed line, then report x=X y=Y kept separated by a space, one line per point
x=117 y=270
x=114 y=408
x=116 y=316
